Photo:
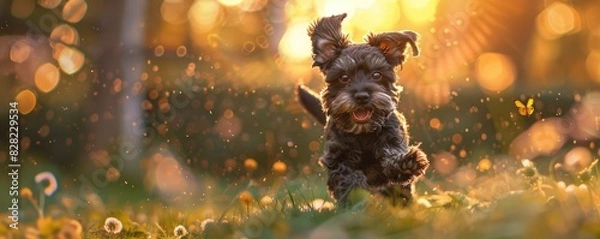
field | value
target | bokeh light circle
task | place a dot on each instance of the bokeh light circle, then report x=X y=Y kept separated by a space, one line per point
x=70 y=60
x=204 y=15
x=26 y=100
x=159 y=50
x=74 y=10
x=174 y=11
x=542 y=138
x=495 y=72
x=65 y=34
x=50 y=4
x=557 y=20
x=592 y=64
x=46 y=77
x=19 y=52
x=22 y=8
x=444 y=162
x=577 y=159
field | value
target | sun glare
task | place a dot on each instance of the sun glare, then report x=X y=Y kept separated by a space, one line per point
x=295 y=44
x=419 y=12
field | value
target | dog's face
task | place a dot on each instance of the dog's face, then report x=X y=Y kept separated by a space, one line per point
x=361 y=91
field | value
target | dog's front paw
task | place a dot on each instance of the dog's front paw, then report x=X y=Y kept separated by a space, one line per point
x=408 y=167
x=413 y=165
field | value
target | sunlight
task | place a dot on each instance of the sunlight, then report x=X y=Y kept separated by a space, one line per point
x=374 y=18
x=334 y=7
x=206 y=119
x=204 y=15
x=419 y=12
x=295 y=44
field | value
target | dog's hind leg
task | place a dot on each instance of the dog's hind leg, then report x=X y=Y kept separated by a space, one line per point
x=342 y=180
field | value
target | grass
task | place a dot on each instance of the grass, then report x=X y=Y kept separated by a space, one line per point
x=509 y=204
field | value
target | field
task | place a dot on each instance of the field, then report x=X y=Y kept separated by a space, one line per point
x=180 y=119
x=507 y=203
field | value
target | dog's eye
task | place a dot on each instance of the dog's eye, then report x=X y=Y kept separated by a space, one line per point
x=376 y=76
x=345 y=79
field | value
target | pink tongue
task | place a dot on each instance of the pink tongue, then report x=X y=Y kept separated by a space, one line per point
x=361 y=114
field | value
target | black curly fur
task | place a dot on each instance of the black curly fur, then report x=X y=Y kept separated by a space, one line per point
x=373 y=154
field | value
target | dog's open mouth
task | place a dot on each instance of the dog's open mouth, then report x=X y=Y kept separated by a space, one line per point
x=361 y=116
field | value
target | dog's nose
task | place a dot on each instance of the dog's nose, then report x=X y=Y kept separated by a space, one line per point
x=361 y=97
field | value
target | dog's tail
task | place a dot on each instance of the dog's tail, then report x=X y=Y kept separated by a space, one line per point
x=311 y=102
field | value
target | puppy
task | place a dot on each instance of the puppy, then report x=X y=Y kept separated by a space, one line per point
x=366 y=139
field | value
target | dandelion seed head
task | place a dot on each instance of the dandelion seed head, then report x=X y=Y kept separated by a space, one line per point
x=206 y=223
x=180 y=231
x=71 y=229
x=113 y=225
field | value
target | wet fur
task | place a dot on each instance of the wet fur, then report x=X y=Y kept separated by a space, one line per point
x=374 y=155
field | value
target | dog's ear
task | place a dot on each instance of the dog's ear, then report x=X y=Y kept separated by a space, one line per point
x=393 y=44
x=327 y=40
